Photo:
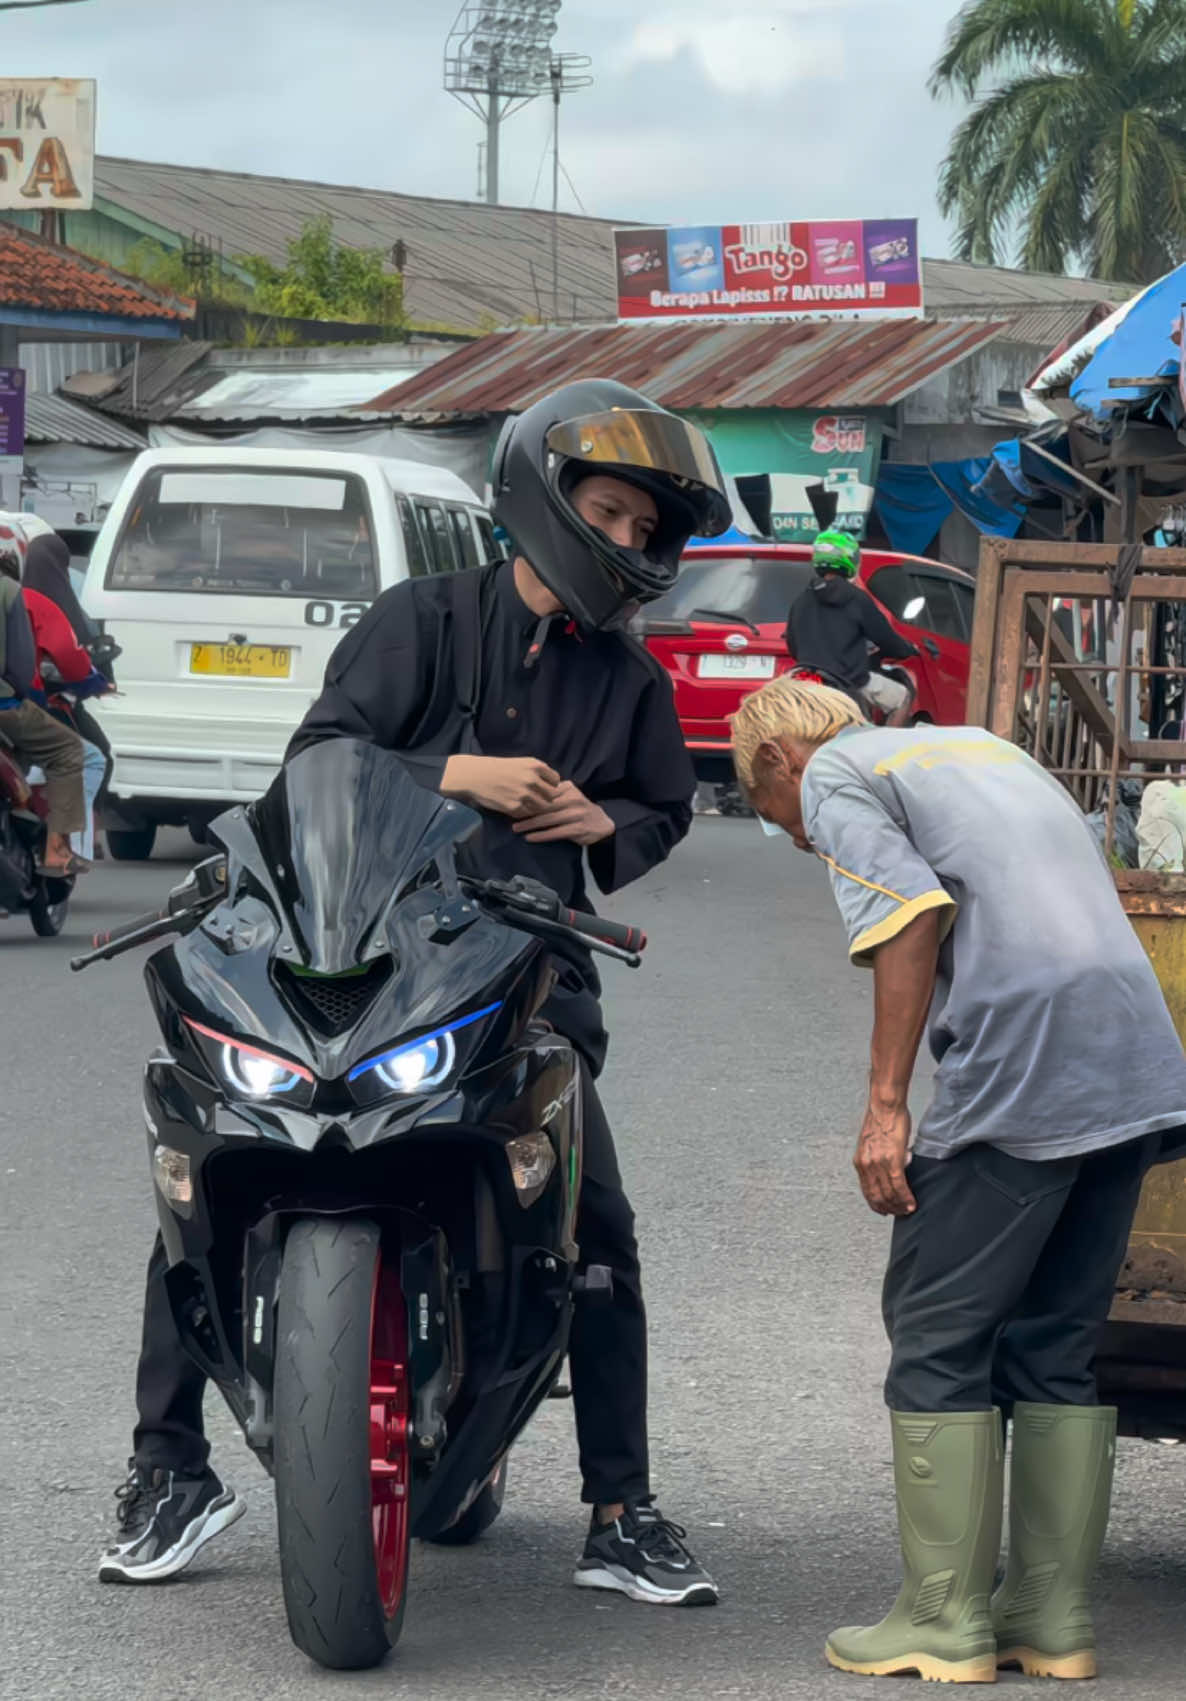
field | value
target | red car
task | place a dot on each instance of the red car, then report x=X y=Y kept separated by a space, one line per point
x=719 y=632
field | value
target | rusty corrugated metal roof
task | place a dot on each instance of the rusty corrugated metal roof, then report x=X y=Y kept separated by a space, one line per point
x=807 y=364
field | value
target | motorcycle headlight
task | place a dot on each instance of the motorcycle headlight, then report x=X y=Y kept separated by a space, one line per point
x=414 y=1067
x=248 y=1071
x=417 y=1066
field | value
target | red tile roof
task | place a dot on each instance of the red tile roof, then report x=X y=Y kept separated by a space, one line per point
x=801 y=364
x=49 y=279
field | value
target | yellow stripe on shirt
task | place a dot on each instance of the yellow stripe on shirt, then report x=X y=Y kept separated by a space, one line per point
x=870 y=885
x=863 y=947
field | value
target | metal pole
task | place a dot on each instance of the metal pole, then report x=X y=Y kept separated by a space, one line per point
x=492 y=118
x=557 y=70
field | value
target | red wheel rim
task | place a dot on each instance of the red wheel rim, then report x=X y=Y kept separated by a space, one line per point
x=390 y=1472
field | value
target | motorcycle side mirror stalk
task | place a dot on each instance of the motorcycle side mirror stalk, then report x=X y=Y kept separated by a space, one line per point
x=458 y=911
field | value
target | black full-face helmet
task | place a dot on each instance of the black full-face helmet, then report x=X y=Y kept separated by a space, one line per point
x=598 y=426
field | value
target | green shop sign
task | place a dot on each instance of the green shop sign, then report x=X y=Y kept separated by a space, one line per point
x=841 y=451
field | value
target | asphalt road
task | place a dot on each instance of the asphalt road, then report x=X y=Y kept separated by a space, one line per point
x=735 y=1080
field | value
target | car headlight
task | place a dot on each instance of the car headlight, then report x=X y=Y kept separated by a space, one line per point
x=248 y=1071
x=416 y=1066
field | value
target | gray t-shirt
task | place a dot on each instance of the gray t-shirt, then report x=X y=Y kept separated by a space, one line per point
x=1048 y=1026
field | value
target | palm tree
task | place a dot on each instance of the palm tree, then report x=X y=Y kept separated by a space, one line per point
x=1077 y=147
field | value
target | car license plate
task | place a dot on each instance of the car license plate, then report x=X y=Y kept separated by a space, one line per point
x=736 y=667
x=242 y=661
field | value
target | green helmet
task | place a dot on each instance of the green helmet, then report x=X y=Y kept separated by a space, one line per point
x=837 y=552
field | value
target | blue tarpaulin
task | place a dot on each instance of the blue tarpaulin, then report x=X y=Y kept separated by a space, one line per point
x=914 y=501
x=1141 y=346
x=964 y=481
x=911 y=505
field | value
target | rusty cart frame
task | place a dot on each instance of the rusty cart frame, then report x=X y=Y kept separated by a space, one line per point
x=1077 y=709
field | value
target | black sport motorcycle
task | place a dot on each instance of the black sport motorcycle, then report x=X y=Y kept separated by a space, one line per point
x=366 y=1148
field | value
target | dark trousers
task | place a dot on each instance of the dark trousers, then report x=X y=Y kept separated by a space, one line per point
x=607 y=1349
x=998 y=1285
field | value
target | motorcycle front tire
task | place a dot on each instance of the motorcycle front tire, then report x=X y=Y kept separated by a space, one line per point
x=340 y=1404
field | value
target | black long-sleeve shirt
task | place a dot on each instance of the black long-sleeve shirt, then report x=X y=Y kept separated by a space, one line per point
x=598 y=709
x=831 y=625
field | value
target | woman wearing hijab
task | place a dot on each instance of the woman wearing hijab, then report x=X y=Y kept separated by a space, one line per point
x=47 y=571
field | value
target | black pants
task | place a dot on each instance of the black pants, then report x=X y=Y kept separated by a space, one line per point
x=607 y=1350
x=998 y=1285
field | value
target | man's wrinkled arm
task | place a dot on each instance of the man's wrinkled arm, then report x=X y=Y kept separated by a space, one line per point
x=904 y=971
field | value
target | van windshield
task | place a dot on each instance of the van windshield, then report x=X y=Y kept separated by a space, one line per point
x=251 y=531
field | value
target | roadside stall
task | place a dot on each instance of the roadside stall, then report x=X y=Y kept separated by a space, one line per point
x=1079 y=656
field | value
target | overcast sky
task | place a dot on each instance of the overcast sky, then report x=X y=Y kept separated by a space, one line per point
x=703 y=111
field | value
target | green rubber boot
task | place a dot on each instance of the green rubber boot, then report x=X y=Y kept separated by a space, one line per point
x=949 y=1477
x=1059 y=1499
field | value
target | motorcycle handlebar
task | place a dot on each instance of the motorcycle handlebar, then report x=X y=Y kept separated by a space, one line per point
x=125 y=930
x=531 y=903
x=622 y=934
x=202 y=887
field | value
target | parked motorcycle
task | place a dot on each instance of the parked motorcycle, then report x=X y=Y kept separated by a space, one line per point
x=366 y=1147
x=23 y=815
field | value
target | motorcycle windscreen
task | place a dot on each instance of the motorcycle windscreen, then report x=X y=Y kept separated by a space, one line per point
x=346 y=830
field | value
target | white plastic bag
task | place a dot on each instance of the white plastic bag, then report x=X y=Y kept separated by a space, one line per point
x=1161 y=830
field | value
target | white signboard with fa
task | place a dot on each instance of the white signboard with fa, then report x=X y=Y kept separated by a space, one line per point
x=47 y=144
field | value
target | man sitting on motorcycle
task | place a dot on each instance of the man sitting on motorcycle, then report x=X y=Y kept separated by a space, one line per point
x=563 y=734
x=34 y=735
x=834 y=621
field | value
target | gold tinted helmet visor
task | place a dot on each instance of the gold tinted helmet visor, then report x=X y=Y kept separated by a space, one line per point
x=647 y=441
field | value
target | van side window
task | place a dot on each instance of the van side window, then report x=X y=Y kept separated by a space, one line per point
x=436 y=534
x=463 y=532
x=413 y=543
x=490 y=549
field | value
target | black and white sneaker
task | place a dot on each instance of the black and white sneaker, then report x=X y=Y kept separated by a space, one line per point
x=642 y=1554
x=164 y=1519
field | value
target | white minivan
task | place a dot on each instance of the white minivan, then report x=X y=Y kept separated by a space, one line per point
x=228 y=576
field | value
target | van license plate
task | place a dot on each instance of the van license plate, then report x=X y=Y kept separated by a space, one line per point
x=242 y=661
x=736 y=667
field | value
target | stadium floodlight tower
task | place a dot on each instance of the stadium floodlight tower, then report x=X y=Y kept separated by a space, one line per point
x=497 y=58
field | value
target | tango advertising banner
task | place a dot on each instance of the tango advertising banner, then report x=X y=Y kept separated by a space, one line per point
x=845 y=269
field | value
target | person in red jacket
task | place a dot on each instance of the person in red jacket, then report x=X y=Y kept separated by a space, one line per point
x=56 y=644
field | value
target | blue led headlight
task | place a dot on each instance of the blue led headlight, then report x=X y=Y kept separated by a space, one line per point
x=419 y=1064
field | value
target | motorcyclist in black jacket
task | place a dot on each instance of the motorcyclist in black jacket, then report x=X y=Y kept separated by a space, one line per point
x=833 y=623
x=564 y=736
